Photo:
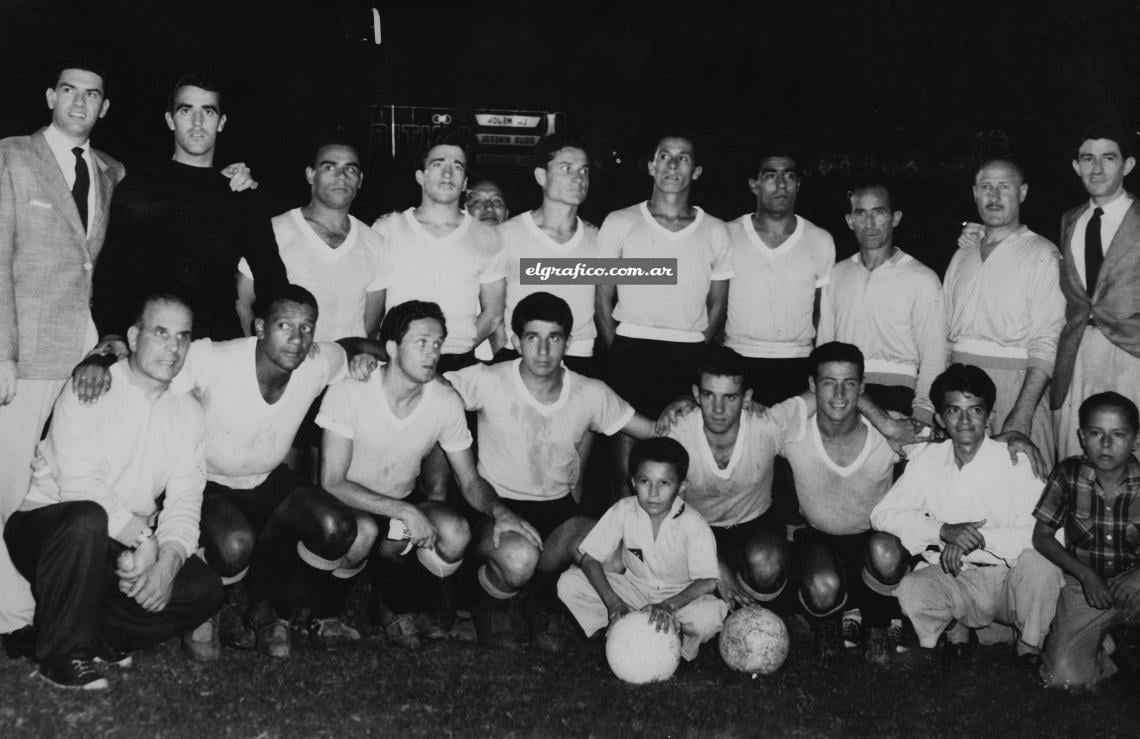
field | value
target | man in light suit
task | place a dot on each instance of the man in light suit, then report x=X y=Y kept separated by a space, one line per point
x=1099 y=348
x=55 y=190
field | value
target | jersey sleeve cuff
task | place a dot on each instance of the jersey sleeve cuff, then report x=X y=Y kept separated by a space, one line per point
x=326 y=421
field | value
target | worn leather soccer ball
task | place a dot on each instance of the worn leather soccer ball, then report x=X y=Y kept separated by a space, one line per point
x=754 y=640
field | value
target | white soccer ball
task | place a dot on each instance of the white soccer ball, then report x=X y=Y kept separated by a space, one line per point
x=638 y=653
x=754 y=640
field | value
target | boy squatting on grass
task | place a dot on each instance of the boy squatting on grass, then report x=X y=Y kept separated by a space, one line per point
x=1094 y=498
x=668 y=551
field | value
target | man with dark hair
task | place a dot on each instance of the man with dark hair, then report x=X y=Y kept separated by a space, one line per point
x=781 y=261
x=327 y=250
x=178 y=227
x=258 y=516
x=889 y=305
x=733 y=455
x=842 y=468
x=535 y=459
x=55 y=190
x=113 y=568
x=668 y=555
x=656 y=335
x=1100 y=344
x=440 y=254
x=554 y=231
x=1004 y=307
x=376 y=434
x=966 y=509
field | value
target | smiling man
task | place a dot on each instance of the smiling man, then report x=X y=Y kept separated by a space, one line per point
x=967 y=509
x=486 y=202
x=178 y=227
x=1004 y=305
x=55 y=191
x=1100 y=345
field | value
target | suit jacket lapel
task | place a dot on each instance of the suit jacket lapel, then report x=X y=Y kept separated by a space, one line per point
x=102 y=185
x=1126 y=236
x=53 y=178
x=1068 y=267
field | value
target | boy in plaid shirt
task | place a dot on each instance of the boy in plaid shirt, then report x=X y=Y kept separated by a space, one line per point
x=1096 y=499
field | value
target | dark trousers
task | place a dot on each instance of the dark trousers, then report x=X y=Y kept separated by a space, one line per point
x=773 y=380
x=260 y=527
x=64 y=552
x=845 y=557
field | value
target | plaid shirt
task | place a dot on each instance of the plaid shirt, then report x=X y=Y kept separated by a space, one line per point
x=1105 y=537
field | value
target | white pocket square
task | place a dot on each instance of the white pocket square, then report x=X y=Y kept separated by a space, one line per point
x=40 y=204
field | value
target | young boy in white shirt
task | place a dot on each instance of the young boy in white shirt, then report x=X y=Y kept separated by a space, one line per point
x=667 y=549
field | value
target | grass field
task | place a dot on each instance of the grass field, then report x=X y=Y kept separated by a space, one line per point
x=372 y=689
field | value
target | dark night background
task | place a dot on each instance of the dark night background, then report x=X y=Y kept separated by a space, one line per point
x=917 y=88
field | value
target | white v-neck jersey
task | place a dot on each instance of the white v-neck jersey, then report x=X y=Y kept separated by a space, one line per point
x=387 y=450
x=247 y=438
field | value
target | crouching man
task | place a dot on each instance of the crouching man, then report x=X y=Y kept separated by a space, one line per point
x=376 y=434
x=967 y=509
x=111 y=573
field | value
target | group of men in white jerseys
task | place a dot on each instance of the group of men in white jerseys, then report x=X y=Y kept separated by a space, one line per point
x=423 y=288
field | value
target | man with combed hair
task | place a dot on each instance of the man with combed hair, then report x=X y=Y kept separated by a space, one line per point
x=1100 y=344
x=888 y=304
x=843 y=467
x=656 y=334
x=967 y=509
x=111 y=565
x=555 y=231
x=440 y=254
x=376 y=434
x=733 y=455
x=1004 y=306
x=535 y=415
x=55 y=190
x=327 y=251
x=178 y=226
x=781 y=262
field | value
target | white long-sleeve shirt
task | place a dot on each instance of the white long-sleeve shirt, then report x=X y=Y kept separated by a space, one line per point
x=1009 y=306
x=122 y=452
x=895 y=314
x=934 y=491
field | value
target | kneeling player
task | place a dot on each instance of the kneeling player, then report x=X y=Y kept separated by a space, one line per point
x=842 y=468
x=255 y=393
x=668 y=551
x=376 y=435
x=730 y=481
x=534 y=417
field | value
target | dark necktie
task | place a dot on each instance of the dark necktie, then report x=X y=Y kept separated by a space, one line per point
x=1094 y=253
x=81 y=186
